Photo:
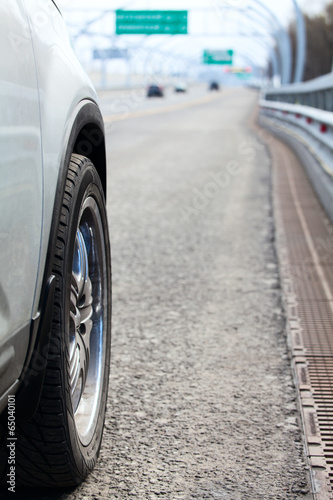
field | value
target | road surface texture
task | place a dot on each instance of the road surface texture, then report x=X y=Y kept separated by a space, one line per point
x=202 y=403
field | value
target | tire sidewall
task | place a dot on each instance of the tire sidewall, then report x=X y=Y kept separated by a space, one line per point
x=87 y=184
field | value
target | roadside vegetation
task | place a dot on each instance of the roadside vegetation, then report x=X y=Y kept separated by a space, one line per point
x=319 y=32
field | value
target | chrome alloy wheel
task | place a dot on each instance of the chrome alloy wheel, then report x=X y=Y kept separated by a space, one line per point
x=88 y=320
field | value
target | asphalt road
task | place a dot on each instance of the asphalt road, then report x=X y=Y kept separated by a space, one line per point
x=202 y=403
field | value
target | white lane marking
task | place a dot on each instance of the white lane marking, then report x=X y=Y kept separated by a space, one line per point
x=161 y=110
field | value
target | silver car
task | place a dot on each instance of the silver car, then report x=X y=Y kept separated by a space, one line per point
x=55 y=270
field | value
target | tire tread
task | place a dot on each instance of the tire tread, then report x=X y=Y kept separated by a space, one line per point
x=44 y=456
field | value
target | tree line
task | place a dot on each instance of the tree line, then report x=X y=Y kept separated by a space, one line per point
x=319 y=53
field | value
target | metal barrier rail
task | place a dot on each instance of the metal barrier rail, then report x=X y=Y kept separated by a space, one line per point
x=316 y=122
x=317 y=93
x=308 y=131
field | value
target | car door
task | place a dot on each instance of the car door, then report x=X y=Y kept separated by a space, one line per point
x=20 y=188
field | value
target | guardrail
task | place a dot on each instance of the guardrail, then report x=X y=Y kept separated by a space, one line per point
x=317 y=93
x=317 y=123
x=307 y=108
x=302 y=115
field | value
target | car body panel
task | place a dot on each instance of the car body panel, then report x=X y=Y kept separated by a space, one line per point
x=45 y=98
x=20 y=188
x=63 y=84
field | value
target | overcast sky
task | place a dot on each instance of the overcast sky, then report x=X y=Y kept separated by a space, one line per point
x=222 y=18
x=282 y=8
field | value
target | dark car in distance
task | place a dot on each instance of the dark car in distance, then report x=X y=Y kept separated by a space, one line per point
x=155 y=91
x=214 y=86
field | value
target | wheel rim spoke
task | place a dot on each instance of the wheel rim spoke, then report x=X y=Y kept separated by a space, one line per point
x=87 y=320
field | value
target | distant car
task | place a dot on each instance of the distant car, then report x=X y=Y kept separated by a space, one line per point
x=155 y=91
x=214 y=86
x=181 y=87
x=55 y=270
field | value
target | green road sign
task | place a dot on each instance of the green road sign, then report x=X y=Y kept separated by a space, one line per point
x=151 y=22
x=218 y=56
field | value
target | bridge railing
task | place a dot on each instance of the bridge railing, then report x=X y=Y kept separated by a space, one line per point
x=313 y=121
x=317 y=93
x=302 y=114
x=308 y=108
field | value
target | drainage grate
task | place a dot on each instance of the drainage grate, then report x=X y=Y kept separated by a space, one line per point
x=305 y=247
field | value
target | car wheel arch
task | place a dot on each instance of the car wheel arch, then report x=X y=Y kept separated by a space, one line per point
x=84 y=136
x=87 y=138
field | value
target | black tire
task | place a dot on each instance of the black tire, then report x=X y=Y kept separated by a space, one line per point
x=60 y=445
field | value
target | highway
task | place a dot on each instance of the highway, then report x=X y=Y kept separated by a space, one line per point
x=202 y=402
